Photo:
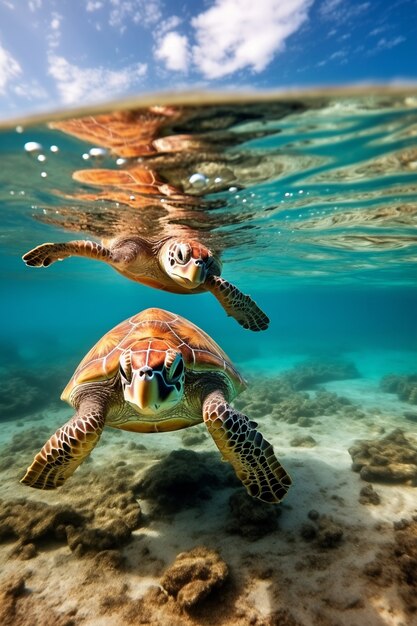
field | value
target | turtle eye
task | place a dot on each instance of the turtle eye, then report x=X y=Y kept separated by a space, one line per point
x=183 y=253
x=176 y=368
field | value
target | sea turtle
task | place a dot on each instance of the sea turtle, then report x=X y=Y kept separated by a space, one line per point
x=177 y=265
x=158 y=372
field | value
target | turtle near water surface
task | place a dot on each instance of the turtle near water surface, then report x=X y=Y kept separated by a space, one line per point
x=158 y=372
x=171 y=264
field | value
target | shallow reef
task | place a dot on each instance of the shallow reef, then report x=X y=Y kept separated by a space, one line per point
x=285 y=397
x=24 y=392
x=404 y=386
x=396 y=564
x=390 y=459
x=144 y=535
x=307 y=374
x=92 y=523
x=274 y=397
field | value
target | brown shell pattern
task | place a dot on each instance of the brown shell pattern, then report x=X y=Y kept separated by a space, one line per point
x=200 y=352
x=126 y=133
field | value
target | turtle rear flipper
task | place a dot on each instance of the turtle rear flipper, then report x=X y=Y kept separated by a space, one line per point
x=65 y=451
x=251 y=456
x=237 y=304
x=47 y=253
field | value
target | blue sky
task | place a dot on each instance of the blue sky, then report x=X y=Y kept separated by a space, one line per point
x=63 y=53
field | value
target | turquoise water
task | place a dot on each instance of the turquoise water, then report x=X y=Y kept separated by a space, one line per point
x=311 y=204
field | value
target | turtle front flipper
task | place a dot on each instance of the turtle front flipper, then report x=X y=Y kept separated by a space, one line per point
x=237 y=304
x=251 y=456
x=65 y=450
x=47 y=253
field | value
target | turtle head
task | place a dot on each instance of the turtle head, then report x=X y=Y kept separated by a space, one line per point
x=186 y=262
x=152 y=376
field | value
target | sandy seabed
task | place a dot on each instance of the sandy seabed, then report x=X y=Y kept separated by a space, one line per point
x=155 y=529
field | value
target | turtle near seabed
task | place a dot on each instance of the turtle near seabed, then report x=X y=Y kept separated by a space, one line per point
x=180 y=266
x=158 y=372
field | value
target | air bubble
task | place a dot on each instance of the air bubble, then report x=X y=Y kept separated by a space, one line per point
x=41 y=158
x=33 y=147
x=120 y=161
x=54 y=148
x=85 y=156
x=132 y=198
x=232 y=189
x=198 y=180
x=97 y=152
x=218 y=179
x=19 y=129
x=44 y=174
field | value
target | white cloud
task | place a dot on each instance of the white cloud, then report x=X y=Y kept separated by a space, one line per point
x=342 y=11
x=328 y=7
x=77 y=85
x=30 y=90
x=9 y=68
x=54 y=35
x=168 y=24
x=173 y=51
x=55 y=22
x=339 y=54
x=34 y=5
x=384 y=44
x=235 y=34
x=141 y=12
x=93 y=5
x=378 y=30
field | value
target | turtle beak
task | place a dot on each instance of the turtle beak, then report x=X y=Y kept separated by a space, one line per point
x=143 y=392
x=193 y=273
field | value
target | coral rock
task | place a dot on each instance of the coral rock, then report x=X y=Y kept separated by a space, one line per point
x=251 y=518
x=391 y=459
x=305 y=441
x=194 y=575
x=309 y=373
x=404 y=386
x=368 y=495
x=326 y=532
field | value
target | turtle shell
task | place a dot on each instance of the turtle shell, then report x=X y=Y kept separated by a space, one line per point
x=199 y=351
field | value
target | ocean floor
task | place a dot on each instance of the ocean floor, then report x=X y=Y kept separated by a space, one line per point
x=155 y=529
